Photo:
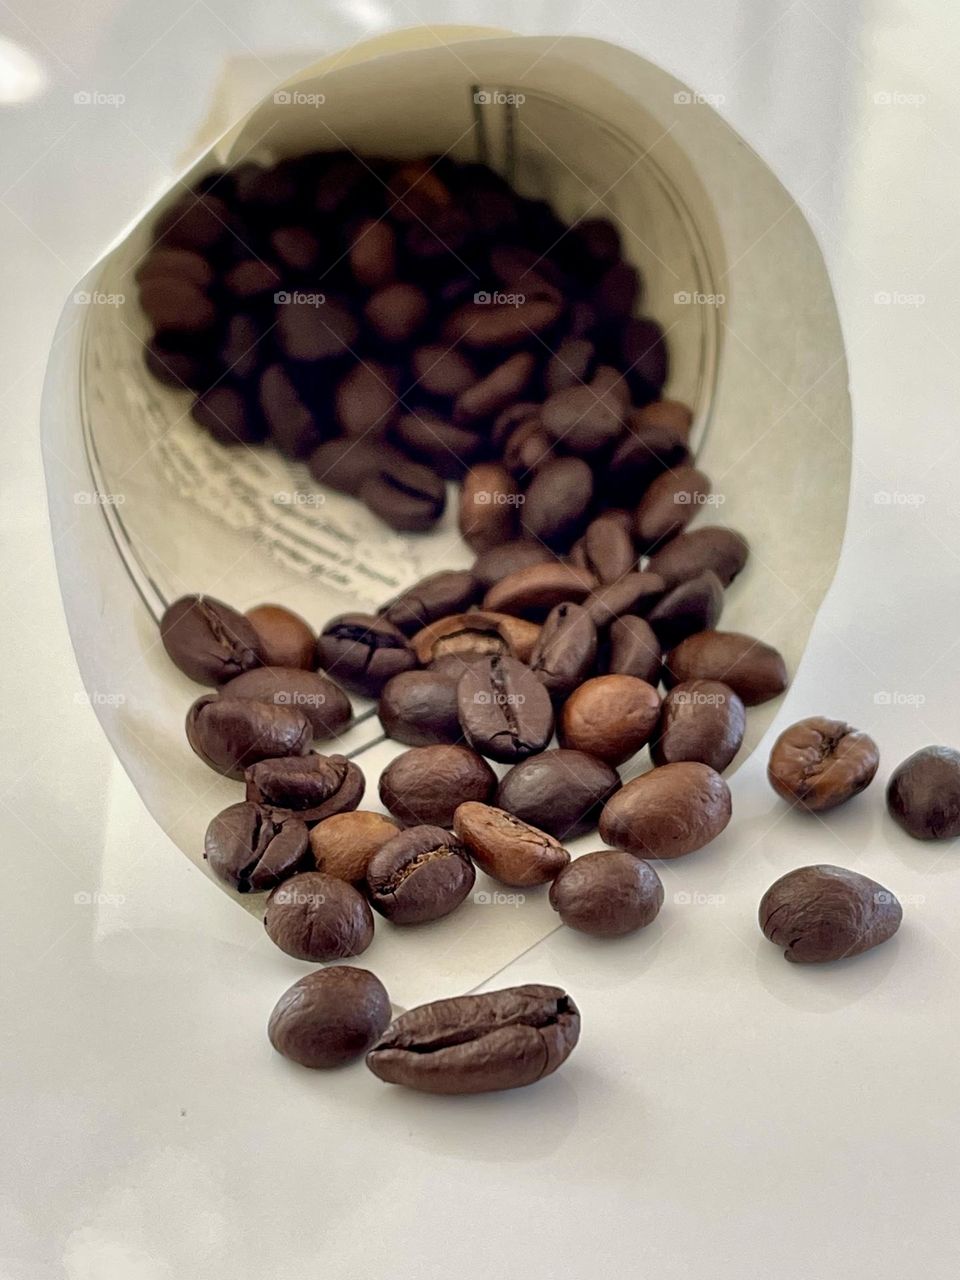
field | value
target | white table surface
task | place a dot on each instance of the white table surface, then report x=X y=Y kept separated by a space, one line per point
x=726 y=1115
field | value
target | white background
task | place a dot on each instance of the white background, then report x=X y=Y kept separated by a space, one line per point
x=725 y=1115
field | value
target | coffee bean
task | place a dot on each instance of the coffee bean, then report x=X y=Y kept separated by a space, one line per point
x=559 y=791
x=488 y=506
x=669 y=415
x=293 y=428
x=753 y=670
x=607 y=549
x=286 y=639
x=700 y=720
x=343 y=844
x=502 y=387
x=556 y=502
x=607 y=894
x=241 y=350
x=344 y=465
x=182 y=370
x=410 y=498
x=420 y=708
x=505 y=711
x=666 y=813
x=617 y=292
x=322 y=332
x=324 y=704
x=174 y=303
x=689 y=554
x=599 y=239
x=250 y=279
x=194 y=221
x=295 y=247
x=570 y=365
x=565 y=650
x=585 y=419
x=230 y=734
x=252 y=851
x=225 y=414
x=485 y=325
x=532 y=592
x=366 y=400
x=819 y=763
x=692 y=606
x=610 y=717
x=207 y=640
x=311 y=787
x=507 y=849
x=475 y=1044
x=825 y=913
x=419 y=875
x=330 y=1017
x=397 y=311
x=669 y=505
x=509 y=420
x=496 y=563
x=438 y=444
x=313 y=916
x=923 y=794
x=643 y=454
x=633 y=593
x=634 y=649
x=363 y=652
x=177 y=264
x=478 y=632
x=440 y=371
x=527 y=448
x=373 y=253
x=436 y=596
x=644 y=352
x=424 y=785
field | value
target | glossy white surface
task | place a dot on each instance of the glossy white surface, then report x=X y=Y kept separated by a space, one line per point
x=725 y=1115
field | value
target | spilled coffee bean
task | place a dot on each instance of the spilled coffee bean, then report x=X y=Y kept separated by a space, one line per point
x=819 y=763
x=823 y=913
x=671 y=811
x=505 y=711
x=607 y=894
x=253 y=851
x=209 y=641
x=231 y=734
x=313 y=916
x=419 y=875
x=507 y=849
x=330 y=1017
x=923 y=794
x=310 y=787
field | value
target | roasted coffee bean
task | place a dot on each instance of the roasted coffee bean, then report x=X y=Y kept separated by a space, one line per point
x=617 y=292
x=527 y=449
x=752 y=669
x=252 y=851
x=322 y=332
x=505 y=711
x=607 y=548
x=419 y=875
x=506 y=423
x=825 y=913
x=226 y=415
x=607 y=894
x=556 y=502
x=179 y=369
x=230 y=734
x=420 y=708
x=694 y=605
x=644 y=351
x=451 y=666
x=324 y=704
x=819 y=763
x=313 y=916
x=183 y=264
x=441 y=371
x=343 y=845
x=633 y=650
x=240 y=350
x=610 y=717
x=532 y=592
x=330 y=1017
x=424 y=785
x=923 y=794
x=484 y=325
x=584 y=419
x=488 y=506
x=295 y=247
x=700 y=720
x=507 y=849
x=193 y=222
x=286 y=639
x=560 y=791
x=344 y=465
x=689 y=554
x=373 y=253
x=411 y=498
x=631 y=594
x=669 y=505
x=666 y=813
x=565 y=650
x=436 y=596
x=293 y=428
x=250 y=279
x=363 y=652
x=570 y=365
x=495 y=564
x=366 y=401
x=311 y=787
x=669 y=415
x=209 y=641
x=176 y=304
x=436 y=443
x=500 y=388
x=478 y=632
x=599 y=239
x=479 y=1043
x=397 y=311
x=642 y=455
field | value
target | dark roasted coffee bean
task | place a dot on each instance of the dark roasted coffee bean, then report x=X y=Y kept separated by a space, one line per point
x=476 y=633
x=700 y=720
x=505 y=558
x=425 y=784
x=500 y=388
x=433 y=597
x=669 y=505
x=557 y=500
x=642 y=455
x=694 y=605
x=419 y=875
x=484 y=325
x=251 y=279
x=585 y=419
x=479 y=1043
x=599 y=239
x=570 y=365
x=343 y=844
x=373 y=254
x=752 y=669
x=362 y=652
x=505 y=711
x=633 y=593
x=507 y=849
x=174 y=303
x=819 y=763
x=419 y=708
x=610 y=717
x=442 y=371
x=397 y=311
x=183 y=264
x=293 y=428
x=488 y=506
x=825 y=913
x=559 y=791
x=565 y=650
x=240 y=351
x=532 y=592
x=527 y=449
x=313 y=916
x=226 y=415
x=324 y=703
x=311 y=787
x=344 y=465
x=634 y=650
x=668 y=415
x=252 y=851
x=507 y=422
x=366 y=400
x=230 y=734
x=451 y=666
x=666 y=813
x=323 y=331
x=607 y=548
x=607 y=894
x=923 y=794
x=410 y=498
x=286 y=639
x=437 y=443
x=295 y=247
x=193 y=222
x=209 y=641
x=617 y=292
x=174 y=368
x=330 y=1017
x=689 y=554
x=644 y=351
